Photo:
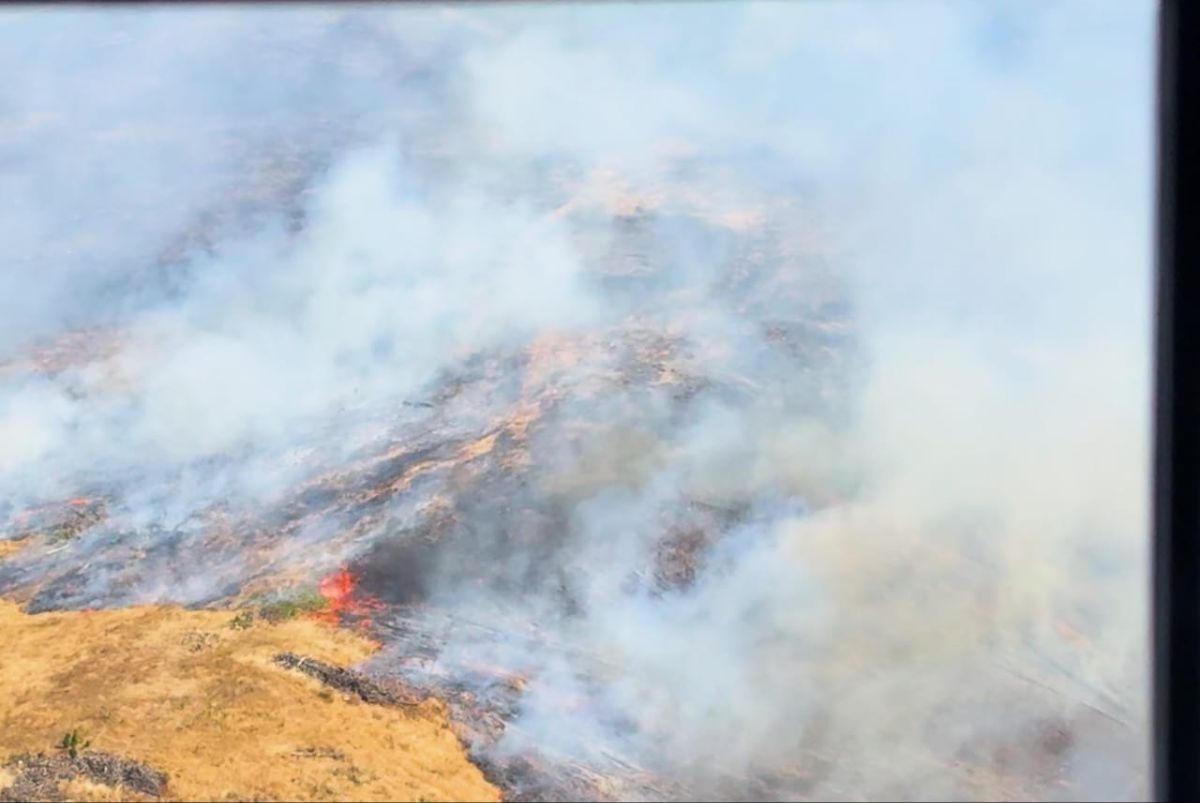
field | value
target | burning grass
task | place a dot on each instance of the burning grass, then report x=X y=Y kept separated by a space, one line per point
x=338 y=592
x=182 y=692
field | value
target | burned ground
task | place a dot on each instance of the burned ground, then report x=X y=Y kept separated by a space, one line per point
x=345 y=681
x=41 y=777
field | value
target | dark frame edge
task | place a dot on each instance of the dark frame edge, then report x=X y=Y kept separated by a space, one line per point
x=1176 y=544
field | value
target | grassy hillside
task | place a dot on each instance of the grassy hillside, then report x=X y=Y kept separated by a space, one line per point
x=190 y=696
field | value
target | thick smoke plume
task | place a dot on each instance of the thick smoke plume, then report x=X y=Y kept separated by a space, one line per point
x=764 y=385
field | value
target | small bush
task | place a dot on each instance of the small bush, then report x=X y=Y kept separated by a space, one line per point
x=73 y=742
x=292 y=604
x=242 y=621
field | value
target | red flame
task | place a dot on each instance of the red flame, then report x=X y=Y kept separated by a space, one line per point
x=338 y=589
x=79 y=502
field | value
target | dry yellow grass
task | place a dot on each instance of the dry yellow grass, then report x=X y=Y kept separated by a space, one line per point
x=182 y=691
x=11 y=546
x=83 y=790
x=478 y=447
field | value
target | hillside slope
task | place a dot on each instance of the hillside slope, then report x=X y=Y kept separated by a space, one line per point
x=190 y=696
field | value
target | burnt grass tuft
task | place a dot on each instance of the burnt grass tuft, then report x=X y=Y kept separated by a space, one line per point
x=346 y=681
x=39 y=777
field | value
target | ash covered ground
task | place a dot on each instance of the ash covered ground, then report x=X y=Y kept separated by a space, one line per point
x=691 y=428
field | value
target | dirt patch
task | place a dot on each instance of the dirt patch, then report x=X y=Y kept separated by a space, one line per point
x=216 y=714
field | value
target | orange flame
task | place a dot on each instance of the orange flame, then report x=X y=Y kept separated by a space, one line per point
x=338 y=589
x=79 y=501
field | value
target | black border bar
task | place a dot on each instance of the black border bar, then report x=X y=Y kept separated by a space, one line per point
x=1176 y=591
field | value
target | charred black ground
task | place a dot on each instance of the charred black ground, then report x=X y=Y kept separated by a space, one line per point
x=39 y=777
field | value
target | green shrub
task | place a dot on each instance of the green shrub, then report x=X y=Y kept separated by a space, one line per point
x=73 y=742
x=291 y=604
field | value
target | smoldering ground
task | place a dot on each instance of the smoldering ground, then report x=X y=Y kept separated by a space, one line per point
x=765 y=385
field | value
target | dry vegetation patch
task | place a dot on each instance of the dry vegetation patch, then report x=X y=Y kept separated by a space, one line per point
x=182 y=693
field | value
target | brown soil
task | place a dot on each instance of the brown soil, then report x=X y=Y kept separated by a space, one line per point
x=182 y=692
